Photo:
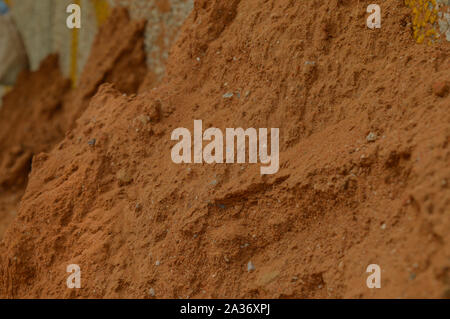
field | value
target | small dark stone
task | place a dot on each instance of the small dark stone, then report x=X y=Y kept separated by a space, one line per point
x=92 y=142
x=441 y=88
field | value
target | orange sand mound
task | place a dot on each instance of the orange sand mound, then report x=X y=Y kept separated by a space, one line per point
x=364 y=174
x=41 y=107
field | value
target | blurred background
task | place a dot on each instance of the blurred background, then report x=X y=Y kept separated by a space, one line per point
x=33 y=29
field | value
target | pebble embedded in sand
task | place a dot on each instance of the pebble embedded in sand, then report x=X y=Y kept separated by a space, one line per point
x=440 y=88
x=138 y=208
x=228 y=95
x=250 y=267
x=92 y=142
x=123 y=176
x=372 y=137
x=154 y=112
x=152 y=292
x=144 y=119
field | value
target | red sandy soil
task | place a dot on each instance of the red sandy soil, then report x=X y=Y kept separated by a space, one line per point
x=41 y=108
x=30 y=122
x=134 y=221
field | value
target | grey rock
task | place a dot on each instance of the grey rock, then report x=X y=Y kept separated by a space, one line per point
x=92 y=142
x=250 y=267
x=372 y=137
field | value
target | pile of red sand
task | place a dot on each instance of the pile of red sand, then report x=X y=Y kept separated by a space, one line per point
x=30 y=122
x=136 y=222
x=41 y=107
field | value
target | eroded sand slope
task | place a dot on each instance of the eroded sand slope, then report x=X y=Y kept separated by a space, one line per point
x=134 y=220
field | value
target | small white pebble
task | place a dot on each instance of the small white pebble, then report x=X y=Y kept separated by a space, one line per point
x=250 y=267
x=372 y=137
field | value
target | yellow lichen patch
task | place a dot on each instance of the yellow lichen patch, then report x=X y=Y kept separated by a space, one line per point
x=425 y=15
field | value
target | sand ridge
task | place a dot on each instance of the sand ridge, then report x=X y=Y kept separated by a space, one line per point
x=364 y=175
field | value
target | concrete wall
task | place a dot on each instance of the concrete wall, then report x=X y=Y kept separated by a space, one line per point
x=165 y=18
x=42 y=24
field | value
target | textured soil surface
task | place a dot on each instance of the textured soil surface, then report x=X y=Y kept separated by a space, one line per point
x=364 y=162
x=41 y=108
